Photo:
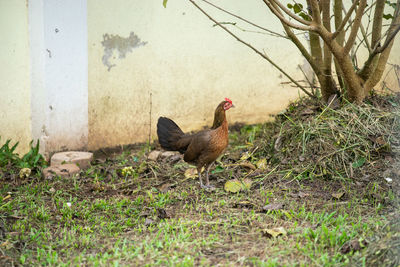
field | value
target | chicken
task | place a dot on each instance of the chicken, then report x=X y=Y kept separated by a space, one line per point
x=202 y=148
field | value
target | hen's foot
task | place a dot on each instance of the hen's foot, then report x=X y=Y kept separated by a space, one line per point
x=208 y=187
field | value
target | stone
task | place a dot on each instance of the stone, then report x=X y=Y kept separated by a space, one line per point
x=168 y=154
x=64 y=170
x=153 y=155
x=82 y=159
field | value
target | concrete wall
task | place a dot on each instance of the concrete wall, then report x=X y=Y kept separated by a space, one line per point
x=182 y=62
x=15 y=121
x=58 y=41
x=98 y=73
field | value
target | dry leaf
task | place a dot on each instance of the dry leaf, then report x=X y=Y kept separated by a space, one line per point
x=24 y=172
x=302 y=194
x=307 y=111
x=262 y=164
x=247 y=164
x=245 y=156
x=353 y=245
x=278 y=143
x=148 y=222
x=235 y=185
x=380 y=141
x=274 y=232
x=191 y=173
x=246 y=183
x=162 y=214
x=166 y=187
x=337 y=195
x=273 y=206
x=243 y=204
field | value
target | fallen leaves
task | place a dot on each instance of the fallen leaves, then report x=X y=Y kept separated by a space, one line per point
x=273 y=206
x=274 y=232
x=353 y=245
x=247 y=164
x=337 y=195
x=236 y=185
x=24 y=173
x=191 y=173
x=262 y=164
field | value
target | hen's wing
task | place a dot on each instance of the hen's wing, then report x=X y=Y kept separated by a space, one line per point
x=198 y=145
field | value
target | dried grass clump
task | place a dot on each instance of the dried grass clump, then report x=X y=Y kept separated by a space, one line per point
x=331 y=143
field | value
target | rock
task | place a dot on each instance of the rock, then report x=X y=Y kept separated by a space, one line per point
x=168 y=154
x=82 y=159
x=153 y=155
x=65 y=170
x=175 y=159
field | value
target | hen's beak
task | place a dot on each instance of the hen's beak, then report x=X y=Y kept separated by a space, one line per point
x=232 y=106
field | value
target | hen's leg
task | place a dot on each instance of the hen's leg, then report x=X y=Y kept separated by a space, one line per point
x=207 y=180
x=199 y=172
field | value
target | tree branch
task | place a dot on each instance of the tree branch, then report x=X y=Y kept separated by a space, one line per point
x=339 y=29
x=338 y=15
x=300 y=46
x=377 y=22
x=242 y=19
x=287 y=11
x=327 y=24
x=369 y=64
x=263 y=55
x=365 y=38
x=394 y=28
x=356 y=26
x=379 y=49
x=284 y=20
x=315 y=11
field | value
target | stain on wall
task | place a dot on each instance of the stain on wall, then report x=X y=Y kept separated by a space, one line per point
x=115 y=43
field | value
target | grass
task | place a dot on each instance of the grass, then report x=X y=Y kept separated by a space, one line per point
x=126 y=210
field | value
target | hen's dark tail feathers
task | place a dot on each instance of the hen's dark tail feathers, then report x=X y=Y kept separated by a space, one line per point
x=169 y=135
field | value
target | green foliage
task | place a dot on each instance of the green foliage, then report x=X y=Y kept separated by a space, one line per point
x=358 y=163
x=298 y=9
x=33 y=159
x=165 y=3
x=7 y=154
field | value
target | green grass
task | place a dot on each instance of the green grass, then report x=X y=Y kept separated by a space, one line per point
x=128 y=211
x=205 y=228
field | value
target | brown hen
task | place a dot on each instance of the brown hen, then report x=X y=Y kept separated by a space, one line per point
x=202 y=148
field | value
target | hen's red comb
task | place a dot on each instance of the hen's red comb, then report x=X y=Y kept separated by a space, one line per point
x=227 y=99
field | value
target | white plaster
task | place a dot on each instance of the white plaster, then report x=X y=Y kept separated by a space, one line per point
x=38 y=90
x=59 y=73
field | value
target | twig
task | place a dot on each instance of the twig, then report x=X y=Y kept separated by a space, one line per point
x=389 y=38
x=268 y=174
x=305 y=76
x=284 y=20
x=356 y=25
x=245 y=20
x=287 y=11
x=345 y=19
x=337 y=151
x=253 y=48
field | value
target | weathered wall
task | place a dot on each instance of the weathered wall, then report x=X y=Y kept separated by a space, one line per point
x=187 y=66
x=58 y=43
x=103 y=66
x=15 y=121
